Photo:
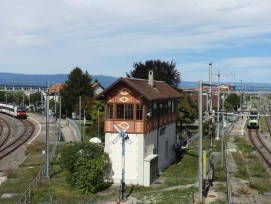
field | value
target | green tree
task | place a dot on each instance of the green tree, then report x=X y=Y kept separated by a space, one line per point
x=78 y=84
x=187 y=110
x=87 y=166
x=163 y=71
x=2 y=96
x=232 y=102
x=35 y=98
x=92 y=130
x=17 y=97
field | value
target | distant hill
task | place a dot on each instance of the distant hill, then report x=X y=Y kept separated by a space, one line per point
x=41 y=80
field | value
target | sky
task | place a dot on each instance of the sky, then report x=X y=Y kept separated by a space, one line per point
x=106 y=37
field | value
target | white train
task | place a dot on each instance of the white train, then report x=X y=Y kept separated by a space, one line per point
x=16 y=111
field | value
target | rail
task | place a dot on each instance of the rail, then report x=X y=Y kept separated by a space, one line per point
x=228 y=184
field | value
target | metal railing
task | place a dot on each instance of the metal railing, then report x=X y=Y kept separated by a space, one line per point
x=75 y=129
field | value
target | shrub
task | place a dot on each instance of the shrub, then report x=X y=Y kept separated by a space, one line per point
x=87 y=166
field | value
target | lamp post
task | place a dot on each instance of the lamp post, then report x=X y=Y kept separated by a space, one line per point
x=80 y=117
x=47 y=132
x=241 y=95
x=218 y=104
x=59 y=120
x=222 y=135
x=209 y=95
x=200 y=141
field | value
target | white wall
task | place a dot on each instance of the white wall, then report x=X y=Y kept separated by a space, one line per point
x=170 y=136
x=135 y=153
x=133 y=158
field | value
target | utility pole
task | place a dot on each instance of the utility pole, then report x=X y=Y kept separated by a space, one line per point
x=222 y=135
x=55 y=108
x=59 y=120
x=209 y=95
x=218 y=104
x=80 y=116
x=47 y=132
x=200 y=141
x=241 y=95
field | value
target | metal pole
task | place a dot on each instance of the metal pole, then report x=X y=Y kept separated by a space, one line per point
x=23 y=98
x=47 y=132
x=200 y=141
x=218 y=104
x=210 y=108
x=241 y=96
x=55 y=108
x=59 y=120
x=80 y=116
x=98 y=123
x=222 y=134
x=123 y=196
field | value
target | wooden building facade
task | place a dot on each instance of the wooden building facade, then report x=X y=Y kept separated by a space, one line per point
x=149 y=108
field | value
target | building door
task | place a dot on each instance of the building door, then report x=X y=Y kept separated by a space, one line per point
x=153 y=170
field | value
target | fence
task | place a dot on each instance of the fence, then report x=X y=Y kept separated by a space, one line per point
x=75 y=129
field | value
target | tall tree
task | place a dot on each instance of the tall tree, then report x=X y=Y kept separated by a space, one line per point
x=78 y=84
x=163 y=71
x=187 y=110
x=35 y=97
x=232 y=102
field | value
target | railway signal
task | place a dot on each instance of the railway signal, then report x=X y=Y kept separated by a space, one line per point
x=124 y=138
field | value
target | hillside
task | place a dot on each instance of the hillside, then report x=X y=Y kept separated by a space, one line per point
x=41 y=80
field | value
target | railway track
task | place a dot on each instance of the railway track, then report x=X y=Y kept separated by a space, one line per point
x=260 y=145
x=4 y=131
x=10 y=141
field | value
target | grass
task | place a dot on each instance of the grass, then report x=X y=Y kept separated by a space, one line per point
x=242 y=169
x=250 y=167
x=244 y=145
x=19 y=180
x=189 y=161
x=174 y=196
x=56 y=190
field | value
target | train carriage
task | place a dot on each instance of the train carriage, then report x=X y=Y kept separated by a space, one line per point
x=253 y=119
x=13 y=110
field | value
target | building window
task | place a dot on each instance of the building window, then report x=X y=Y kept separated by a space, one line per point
x=109 y=111
x=161 y=108
x=169 y=106
x=149 y=111
x=139 y=111
x=173 y=108
x=155 y=110
x=165 y=111
x=120 y=111
x=125 y=111
x=129 y=111
x=162 y=130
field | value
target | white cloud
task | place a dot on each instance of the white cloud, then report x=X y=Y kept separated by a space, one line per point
x=107 y=35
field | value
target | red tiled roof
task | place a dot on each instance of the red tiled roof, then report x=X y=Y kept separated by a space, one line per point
x=55 y=88
x=161 y=90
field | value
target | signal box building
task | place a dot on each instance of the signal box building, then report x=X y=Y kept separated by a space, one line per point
x=149 y=108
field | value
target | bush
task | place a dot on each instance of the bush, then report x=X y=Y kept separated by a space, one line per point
x=87 y=166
